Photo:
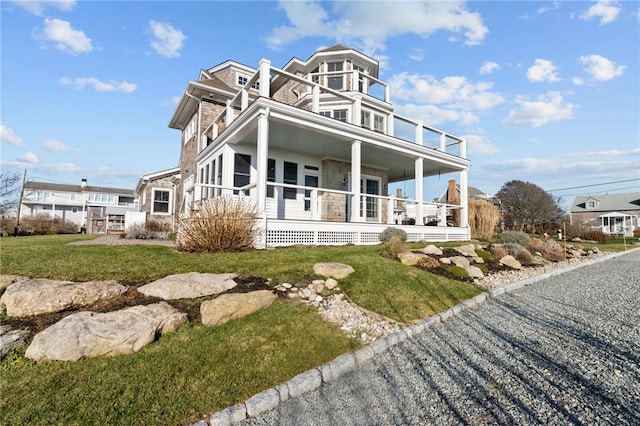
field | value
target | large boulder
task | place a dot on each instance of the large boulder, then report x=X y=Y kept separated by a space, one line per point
x=90 y=334
x=234 y=305
x=468 y=250
x=460 y=261
x=189 y=286
x=333 y=270
x=410 y=258
x=511 y=262
x=38 y=296
x=433 y=250
x=474 y=272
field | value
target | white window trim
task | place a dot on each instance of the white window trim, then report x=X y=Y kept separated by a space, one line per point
x=153 y=201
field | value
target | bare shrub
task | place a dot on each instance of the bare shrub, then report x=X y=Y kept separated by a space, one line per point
x=498 y=251
x=549 y=249
x=393 y=246
x=218 y=224
x=484 y=218
x=39 y=224
x=60 y=227
x=524 y=256
x=157 y=227
x=594 y=235
x=429 y=262
x=138 y=232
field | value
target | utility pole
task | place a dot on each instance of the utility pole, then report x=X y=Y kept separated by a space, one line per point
x=24 y=179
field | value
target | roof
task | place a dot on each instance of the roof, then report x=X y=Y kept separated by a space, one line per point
x=472 y=193
x=629 y=201
x=45 y=186
x=144 y=179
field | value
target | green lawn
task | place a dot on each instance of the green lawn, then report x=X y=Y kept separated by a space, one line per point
x=200 y=369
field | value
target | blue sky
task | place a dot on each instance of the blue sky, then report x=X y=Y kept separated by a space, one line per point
x=546 y=92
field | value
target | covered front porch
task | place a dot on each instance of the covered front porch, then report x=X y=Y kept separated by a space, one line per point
x=616 y=223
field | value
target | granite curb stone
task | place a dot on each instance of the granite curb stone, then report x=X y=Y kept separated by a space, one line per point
x=314 y=378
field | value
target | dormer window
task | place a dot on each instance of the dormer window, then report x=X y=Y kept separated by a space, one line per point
x=591 y=204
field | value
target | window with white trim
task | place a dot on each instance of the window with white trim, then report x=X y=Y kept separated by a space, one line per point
x=365 y=119
x=243 y=79
x=290 y=177
x=335 y=81
x=378 y=123
x=241 y=171
x=161 y=200
x=591 y=204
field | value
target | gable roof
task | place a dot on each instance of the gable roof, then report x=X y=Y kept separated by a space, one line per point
x=472 y=193
x=629 y=201
x=149 y=177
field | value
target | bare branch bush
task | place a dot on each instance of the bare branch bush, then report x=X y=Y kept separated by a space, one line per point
x=484 y=218
x=219 y=224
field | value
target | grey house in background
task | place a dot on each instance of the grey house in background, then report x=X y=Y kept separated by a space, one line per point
x=615 y=214
x=156 y=194
x=92 y=208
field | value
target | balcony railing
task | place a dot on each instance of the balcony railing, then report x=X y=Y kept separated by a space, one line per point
x=266 y=74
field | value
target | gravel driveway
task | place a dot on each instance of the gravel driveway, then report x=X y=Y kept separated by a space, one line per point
x=565 y=350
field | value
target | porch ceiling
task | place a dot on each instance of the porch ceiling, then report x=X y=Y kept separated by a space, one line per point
x=315 y=142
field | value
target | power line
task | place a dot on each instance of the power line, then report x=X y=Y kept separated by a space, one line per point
x=595 y=184
x=607 y=191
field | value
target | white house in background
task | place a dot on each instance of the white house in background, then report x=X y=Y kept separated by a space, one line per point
x=156 y=195
x=314 y=145
x=93 y=209
x=614 y=214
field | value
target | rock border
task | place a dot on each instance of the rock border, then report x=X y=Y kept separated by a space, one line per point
x=315 y=378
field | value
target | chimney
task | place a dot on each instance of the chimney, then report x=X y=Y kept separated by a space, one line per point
x=399 y=197
x=83 y=183
x=452 y=193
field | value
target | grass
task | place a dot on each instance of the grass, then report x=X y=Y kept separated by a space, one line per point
x=200 y=369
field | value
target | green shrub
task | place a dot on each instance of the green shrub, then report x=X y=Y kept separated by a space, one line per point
x=485 y=255
x=517 y=237
x=594 y=235
x=390 y=232
x=512 y=248
x=458 y=271
x=394 y=246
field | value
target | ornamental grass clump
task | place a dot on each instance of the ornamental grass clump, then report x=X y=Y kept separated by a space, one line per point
x=391 y=232
x=218 y=224
x=392 y=247
x=594 y=235
x=549 y=249
x=484 y=218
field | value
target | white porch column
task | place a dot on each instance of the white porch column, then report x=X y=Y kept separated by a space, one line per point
x=356 y=110
x=265 y=77
x=443 y=142
x=262 y=153
x=419 y=169
x=464 y=203
x=463 y=148
x=356 y=150
x=390 y=204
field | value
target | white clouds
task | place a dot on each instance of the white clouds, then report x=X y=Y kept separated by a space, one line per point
x=416 y=55
x=28 y=157
x=7 y=136
x=167 y=40
x=368 y=27
x=607 y=11
x=543 y=70
x=99 y=86
x=488 y=67
x=609 y=153
x=435 y=116
x=601 y=68
x=478 y=144
x=453 y=91
x=65 y=38
x=37 y=7
x=545 y=109
x=55 y=146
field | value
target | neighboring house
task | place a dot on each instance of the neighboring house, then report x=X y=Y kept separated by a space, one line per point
x=156 y=195
x=615 y=214
x=313 y=145
x=451 y=196
x=93 y=209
